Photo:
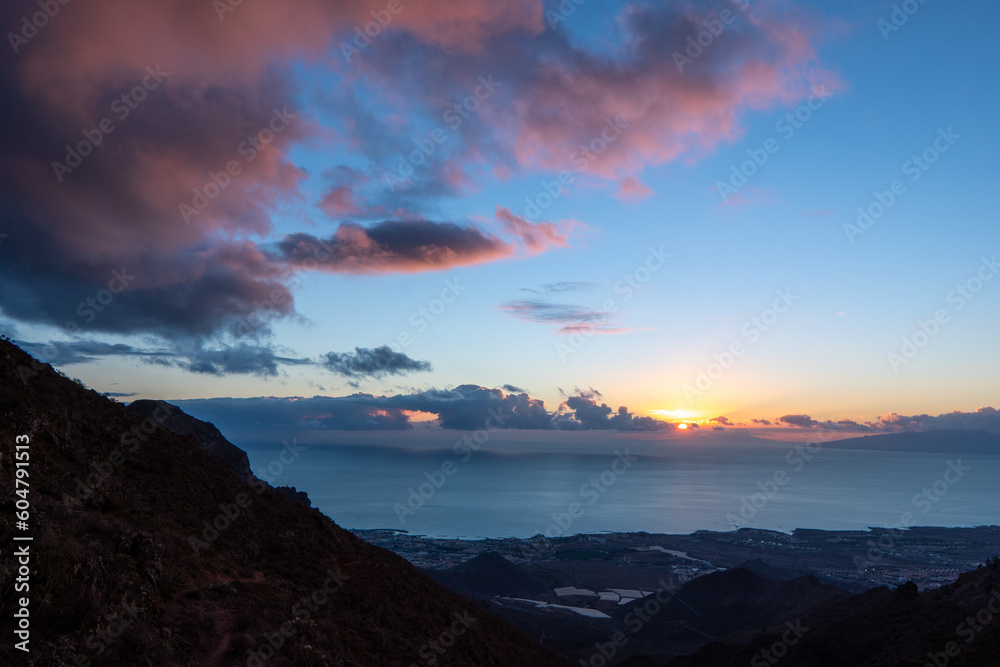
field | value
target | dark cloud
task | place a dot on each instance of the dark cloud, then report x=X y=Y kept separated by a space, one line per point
x=511 y=389
x=722 y=420
x=805 y=421
x=762 y=422
x=393 y=247
x=466 y=407
x=374 y=363
x=848 y=425
x=72 y=235
x=398 y=246
x=182 y=187
x=802 y=421
x=469 y=406
x=983 y=419
x=589 y=392
x=59 y=353
x=593 y=416
x=241 y=359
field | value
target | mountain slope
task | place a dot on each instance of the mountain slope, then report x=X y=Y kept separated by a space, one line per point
x=148 y=551
x=956 y=625
x=489 y=575
x=209 y=437
x=944 y=441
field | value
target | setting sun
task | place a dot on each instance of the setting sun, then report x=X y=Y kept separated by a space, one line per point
x=682 y=426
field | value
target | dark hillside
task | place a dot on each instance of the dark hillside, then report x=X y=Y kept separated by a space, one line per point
x=956 y=626
x=126 y=567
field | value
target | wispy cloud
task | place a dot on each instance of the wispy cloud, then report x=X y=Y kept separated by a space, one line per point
x=568 y=317
x=556 y=288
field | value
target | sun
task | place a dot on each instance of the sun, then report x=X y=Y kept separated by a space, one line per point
x=682 y=426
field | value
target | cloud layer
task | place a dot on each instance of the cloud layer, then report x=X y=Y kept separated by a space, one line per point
x=466 y=407
x=983 y=419
x=241 y=359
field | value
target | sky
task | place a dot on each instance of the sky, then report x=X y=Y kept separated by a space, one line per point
x=595 y=215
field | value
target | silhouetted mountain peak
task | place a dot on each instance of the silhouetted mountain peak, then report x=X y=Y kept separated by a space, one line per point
x=208 y=436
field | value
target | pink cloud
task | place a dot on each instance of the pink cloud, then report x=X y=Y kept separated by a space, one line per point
x=339 y=203
x=632 y=189
x=536 y=237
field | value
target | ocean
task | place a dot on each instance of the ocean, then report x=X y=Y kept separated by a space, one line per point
x=504 y=490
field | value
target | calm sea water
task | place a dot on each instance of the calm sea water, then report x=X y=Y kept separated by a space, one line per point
x=520 y=494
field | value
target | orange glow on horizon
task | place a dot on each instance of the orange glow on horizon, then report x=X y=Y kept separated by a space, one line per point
x=676 y=414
